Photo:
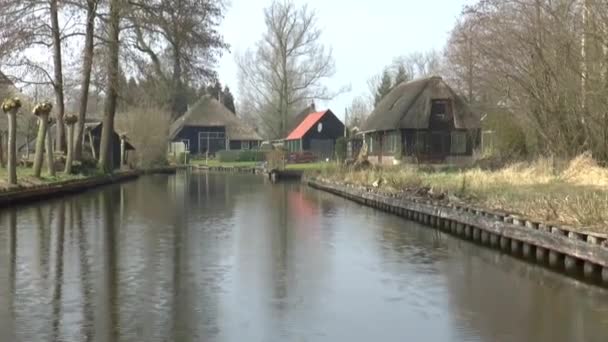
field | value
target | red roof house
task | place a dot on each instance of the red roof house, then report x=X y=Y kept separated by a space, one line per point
x=317 y=133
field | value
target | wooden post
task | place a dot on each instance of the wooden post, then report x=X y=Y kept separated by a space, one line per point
x=92 y=145
x=123 y=139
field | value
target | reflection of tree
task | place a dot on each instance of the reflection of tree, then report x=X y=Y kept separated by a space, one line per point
x=85 y=272
x=111 y=255
x=12 y=227
x=58 y=281
x=44 y=249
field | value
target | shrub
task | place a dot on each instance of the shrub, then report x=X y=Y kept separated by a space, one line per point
x=341 y=149
x=147 y=129
x=241 y=156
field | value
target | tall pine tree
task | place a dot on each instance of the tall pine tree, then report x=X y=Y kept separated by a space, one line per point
x=228 y=100
x=215 y=90
x=401 y=76
x=386 y=85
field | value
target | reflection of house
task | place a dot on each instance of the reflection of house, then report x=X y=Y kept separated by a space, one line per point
x=210 y=126
x=423 y=120
x=92 y=137
x=316 y=133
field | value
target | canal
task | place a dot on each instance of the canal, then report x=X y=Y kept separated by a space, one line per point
x=213 y=257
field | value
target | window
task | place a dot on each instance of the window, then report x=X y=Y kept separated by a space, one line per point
x=212 y=135
x=459 y=142
x=391 y=141
x=245 y=145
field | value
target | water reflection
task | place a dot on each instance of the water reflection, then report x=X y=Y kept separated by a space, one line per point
x=201 y=256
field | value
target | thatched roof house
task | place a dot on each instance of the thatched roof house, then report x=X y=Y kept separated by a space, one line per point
x=210 y=126
x=424 y=119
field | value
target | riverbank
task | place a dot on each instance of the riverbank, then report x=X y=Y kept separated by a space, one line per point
x=32 y=189
x=558 y=247
x=573 y=193
x=215 y=165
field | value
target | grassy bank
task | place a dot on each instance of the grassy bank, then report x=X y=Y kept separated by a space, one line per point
x=25 y=178
x=573 y=193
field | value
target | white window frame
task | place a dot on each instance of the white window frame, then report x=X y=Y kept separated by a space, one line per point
x=245 y=145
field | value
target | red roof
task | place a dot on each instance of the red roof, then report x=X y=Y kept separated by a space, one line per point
x=306 y=125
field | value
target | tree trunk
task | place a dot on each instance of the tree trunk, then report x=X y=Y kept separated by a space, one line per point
x=2 y=150
x=58 y=82
x=43 y=124
x=178 y=107
x=87 y=64
x=105 y=163
x=70 y=157
x=12 y=149
x=50 y=159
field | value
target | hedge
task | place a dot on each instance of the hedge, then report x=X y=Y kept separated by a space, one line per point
x=241 y=156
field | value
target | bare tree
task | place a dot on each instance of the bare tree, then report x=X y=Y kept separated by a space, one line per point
x=287 y=67
x=87 y=65
x=10 y=107
x=42 y=111
x=105 y=149
x=58 y=74
x=180 y=40
x=358 y=111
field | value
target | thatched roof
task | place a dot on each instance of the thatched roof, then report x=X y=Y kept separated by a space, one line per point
x=408 y=106
x=209 y=112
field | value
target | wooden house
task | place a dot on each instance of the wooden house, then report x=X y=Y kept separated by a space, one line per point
x=210 y=127
x=422 y=121
x=317 y=133
x=91 y=143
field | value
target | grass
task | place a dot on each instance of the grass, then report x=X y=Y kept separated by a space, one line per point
x=25 y=178
x=308 y=166
x=573 y=193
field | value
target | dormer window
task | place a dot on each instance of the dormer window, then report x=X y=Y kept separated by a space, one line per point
x=441 y=114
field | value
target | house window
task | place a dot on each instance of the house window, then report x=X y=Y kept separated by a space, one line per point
x=245 y=145
x=391 y=142
x=459 y=142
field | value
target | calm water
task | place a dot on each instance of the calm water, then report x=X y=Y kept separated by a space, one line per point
x=207 y=257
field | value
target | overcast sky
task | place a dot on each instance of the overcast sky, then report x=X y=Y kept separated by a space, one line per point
x=365 y=35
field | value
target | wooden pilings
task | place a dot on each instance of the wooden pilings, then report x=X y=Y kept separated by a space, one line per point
x=562 y=248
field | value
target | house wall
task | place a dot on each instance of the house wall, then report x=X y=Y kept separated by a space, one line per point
x=114 y=151
x=196 y=147
x=238 y=144
x=322 y=143
x=382 y=146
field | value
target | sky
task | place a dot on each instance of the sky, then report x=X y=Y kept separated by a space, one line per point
x=365 y=35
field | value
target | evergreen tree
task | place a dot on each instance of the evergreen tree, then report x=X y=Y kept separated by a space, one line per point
x=228 y=100
x=215 y=90
x=401 y=76
x=384 y=88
